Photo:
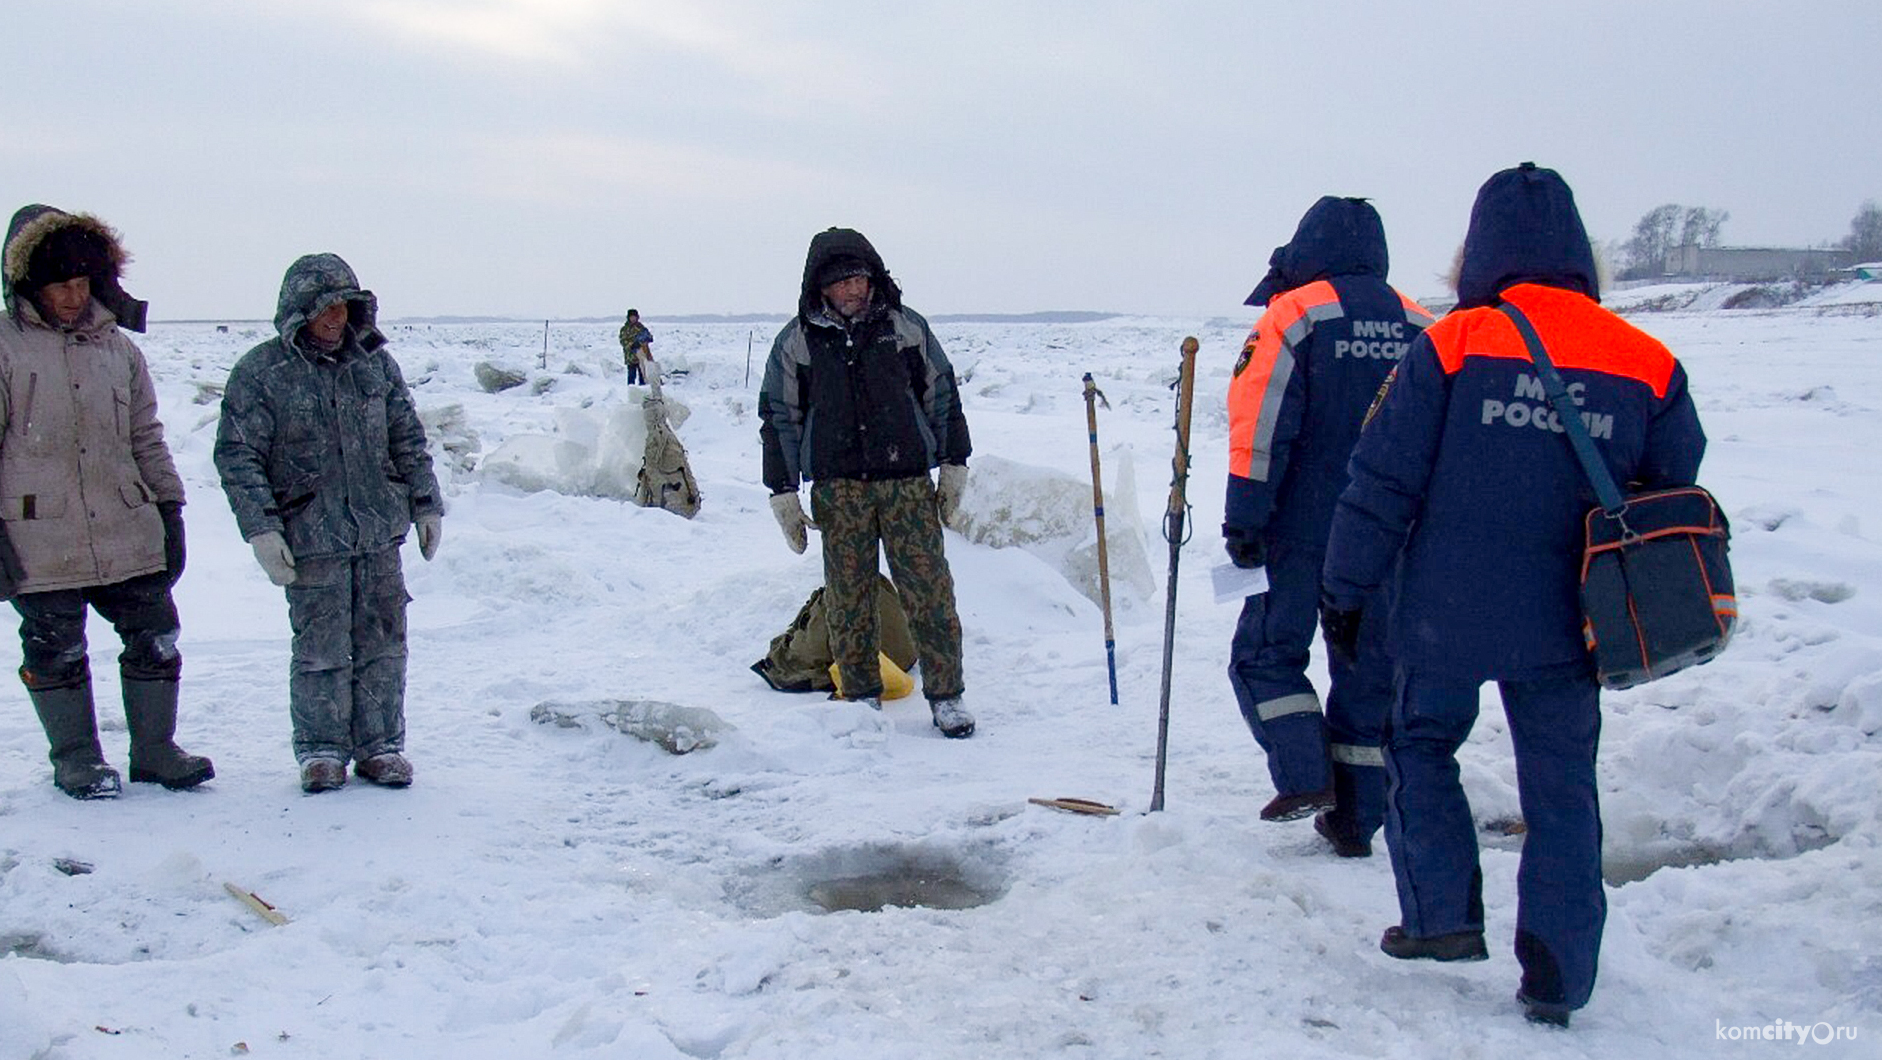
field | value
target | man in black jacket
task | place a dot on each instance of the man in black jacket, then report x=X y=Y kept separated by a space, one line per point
x=859 y=398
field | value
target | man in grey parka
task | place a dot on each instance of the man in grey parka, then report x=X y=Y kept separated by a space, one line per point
x=90 y=500
x=324 y=463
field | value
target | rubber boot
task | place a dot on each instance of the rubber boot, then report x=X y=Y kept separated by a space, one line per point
x=150 y=712
x=78 y=763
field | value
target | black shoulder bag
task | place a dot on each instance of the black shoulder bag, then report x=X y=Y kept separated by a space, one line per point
x=1656 y=578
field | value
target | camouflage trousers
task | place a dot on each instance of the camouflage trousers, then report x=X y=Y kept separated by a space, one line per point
x=346 y=681
x=859 y=521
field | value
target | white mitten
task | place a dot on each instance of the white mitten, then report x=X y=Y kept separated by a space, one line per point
x=791 y=519
x=947 y=494
x=271 y=551
x=430 y=532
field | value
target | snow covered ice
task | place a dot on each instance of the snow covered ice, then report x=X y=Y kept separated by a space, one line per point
x=550 y=891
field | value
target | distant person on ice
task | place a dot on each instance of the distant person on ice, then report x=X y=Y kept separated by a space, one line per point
x=93 y=506
x=636 y=346
x=859 y=398
x=324 y=463
x=1311 y=368
x=1477 y=521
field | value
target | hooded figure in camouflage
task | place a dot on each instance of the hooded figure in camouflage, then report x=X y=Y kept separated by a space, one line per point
x=324 y=463
x=91 y=502
x=859 y=397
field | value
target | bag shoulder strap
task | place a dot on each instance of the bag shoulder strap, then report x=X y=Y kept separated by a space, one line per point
x=1591 y=464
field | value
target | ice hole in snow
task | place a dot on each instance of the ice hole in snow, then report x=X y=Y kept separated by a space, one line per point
x=905 y=885
x=870 y=878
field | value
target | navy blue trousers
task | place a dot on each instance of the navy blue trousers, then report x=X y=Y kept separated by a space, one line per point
x=1268 y=670
x=1555 y=727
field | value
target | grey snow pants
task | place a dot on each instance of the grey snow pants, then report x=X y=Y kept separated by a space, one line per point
x=346 y=680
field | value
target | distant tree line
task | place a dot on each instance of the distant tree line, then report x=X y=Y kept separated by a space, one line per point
x=1865 y=233
x=1664 y=229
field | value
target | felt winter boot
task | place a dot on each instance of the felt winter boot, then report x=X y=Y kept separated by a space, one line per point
x=78 y=763
x=150 y=712
x=388 y=769
x=952 y=718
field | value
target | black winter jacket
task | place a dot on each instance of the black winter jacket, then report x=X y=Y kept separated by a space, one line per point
x=871 y=398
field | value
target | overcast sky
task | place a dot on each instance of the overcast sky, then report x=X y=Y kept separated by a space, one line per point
x=554 y=158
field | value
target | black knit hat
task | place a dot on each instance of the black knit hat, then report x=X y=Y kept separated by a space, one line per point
x=841 y=268
x=68 y=253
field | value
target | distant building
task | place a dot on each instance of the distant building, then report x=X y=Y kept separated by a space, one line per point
x=1868 y=270
x=1756 y=264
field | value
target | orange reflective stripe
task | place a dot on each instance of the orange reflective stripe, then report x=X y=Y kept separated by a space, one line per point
x=1263 y=354
x=1455 y=337
x=1415 y=313
x=1262 y=374
x=1578 y=332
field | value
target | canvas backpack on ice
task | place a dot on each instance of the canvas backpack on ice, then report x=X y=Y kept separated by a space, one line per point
x=799 y=658
x=665 y=479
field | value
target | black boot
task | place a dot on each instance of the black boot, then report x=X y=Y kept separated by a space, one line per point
x=78 y=763
x=1547 y=1013
x=150 y=711
x=1340 y=836
x=1455 y=946
x=1300 y=804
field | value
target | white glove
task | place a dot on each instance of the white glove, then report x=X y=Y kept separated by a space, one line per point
x=791 y=519
x=430 y=532
x=947 y=495
x=271 y=551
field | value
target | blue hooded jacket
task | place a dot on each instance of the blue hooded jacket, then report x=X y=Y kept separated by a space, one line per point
x=1465 y=492
x=1310 y=368
x=1335 y=237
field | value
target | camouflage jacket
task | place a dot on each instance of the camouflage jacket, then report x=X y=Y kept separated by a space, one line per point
x=635 y=338
x=324 y=448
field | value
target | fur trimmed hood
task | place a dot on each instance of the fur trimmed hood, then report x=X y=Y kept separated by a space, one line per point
x=30 y=227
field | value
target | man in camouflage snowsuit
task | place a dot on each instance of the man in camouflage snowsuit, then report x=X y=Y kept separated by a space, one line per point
x=859 y=398
x=636 y=346
x=93 y=507
x=324 y=463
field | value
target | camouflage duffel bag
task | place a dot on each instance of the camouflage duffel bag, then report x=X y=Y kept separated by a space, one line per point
x=799 y=658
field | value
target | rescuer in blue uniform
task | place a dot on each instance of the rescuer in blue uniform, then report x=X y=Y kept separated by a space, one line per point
x=1467 y=499
x=1332 y=330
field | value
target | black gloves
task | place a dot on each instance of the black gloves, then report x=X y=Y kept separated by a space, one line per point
x=173 y=552
x=11 y=572
x=1245 y=550
x=1340 y=628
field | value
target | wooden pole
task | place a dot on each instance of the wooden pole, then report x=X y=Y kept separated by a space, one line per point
x=1092 y=396
x=1173 y=518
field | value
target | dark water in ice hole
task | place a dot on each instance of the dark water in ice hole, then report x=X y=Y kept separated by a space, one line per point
x=902 y=886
